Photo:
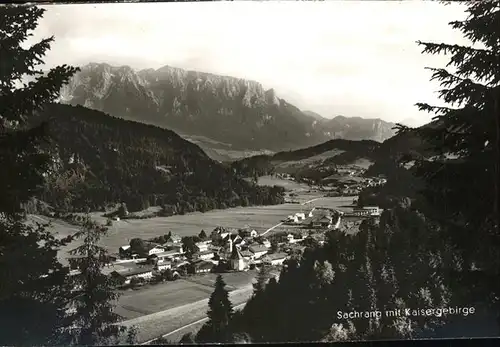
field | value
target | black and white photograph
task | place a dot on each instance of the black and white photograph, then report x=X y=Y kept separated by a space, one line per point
x=249 y=172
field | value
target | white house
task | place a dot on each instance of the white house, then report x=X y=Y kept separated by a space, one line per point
x=134 y=270
x=254 y=233
x=266 y=243
x=292 y=219
x=206 y=255
x=203 y=245
x=156 y=250
x=168 y=255
x=373 y=210
x=164 y=266
x=275 y=258
x=300 y=216
x=258 y=250
x=367 y=211
x=310 y=214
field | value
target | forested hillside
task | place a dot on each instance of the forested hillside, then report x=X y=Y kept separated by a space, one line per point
x=380 y=268
x=333 y=152
x=101 y=160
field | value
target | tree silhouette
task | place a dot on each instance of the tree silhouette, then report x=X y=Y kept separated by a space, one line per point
x=465 y=138
x=33 y=288
x=94 y=321
x=220 y=313
x=202 y=235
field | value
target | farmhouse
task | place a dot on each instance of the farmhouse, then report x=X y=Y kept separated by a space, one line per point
x=156 y=250
x=258 y=250
x=292 y=219
x=131 y=270
x=206 y=255
x=274 y=259
x=174 y=238
x=247 y=232
x=164 y=266
x=366 y=211
x=203 y=245
x=201 y=266
x=168 y=255
x=300 y=216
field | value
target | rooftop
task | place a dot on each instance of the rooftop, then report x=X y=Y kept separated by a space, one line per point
x=257 y=248
x=133 y=270
x=167 y=253
x=276 y=256
x=203 y=264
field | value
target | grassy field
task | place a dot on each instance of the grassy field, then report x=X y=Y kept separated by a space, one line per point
x=160 y=297
x=259 y=218
x=234 y=280
x=340 y=203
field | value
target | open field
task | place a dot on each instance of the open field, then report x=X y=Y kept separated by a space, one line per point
x=234 y=280
x=160 y=297
x=259 y=218
x=154 y=325
x=341 y=203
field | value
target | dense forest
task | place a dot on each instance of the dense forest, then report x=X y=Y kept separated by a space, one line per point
x=100 y=160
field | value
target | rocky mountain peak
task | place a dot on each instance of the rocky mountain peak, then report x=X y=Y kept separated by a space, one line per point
x=234 y=111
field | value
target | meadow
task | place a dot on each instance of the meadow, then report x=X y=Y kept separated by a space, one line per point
x=160 y=297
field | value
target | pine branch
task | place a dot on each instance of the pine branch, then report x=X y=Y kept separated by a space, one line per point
x=477 y=63
x=480 y=25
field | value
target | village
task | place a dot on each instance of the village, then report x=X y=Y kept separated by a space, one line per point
x=171 y=257
x=348 y=180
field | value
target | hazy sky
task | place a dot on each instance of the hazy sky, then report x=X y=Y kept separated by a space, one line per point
x=351 y=58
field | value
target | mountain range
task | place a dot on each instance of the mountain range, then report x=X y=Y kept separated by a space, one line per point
x=226 y=116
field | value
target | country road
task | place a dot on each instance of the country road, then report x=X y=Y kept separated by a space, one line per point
x=271 y=228
x=175 y=322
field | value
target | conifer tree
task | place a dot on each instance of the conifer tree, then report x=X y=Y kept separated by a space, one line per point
x=262 y=278
x=220 y=313
x=33 y=286
x=462 y=179
x=94 y=321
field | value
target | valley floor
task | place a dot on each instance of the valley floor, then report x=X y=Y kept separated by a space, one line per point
x=177 y=307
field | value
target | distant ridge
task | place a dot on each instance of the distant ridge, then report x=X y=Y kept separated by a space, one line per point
x=225 y=109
